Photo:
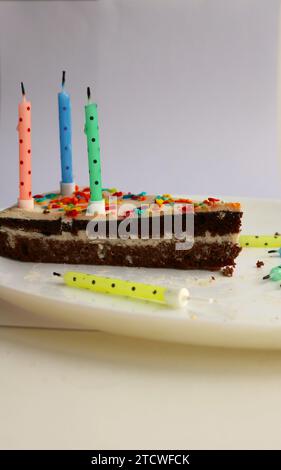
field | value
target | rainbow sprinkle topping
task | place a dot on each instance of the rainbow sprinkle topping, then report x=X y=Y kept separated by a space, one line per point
x=75 y=205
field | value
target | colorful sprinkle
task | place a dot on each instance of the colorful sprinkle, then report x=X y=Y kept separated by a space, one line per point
x=77 y=203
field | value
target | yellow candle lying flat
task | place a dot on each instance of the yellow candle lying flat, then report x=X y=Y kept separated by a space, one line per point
x=175 y=297
x=260 y=241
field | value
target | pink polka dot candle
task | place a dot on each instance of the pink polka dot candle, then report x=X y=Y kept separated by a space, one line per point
x=25 y=200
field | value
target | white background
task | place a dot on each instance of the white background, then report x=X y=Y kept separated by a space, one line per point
x=186 y=92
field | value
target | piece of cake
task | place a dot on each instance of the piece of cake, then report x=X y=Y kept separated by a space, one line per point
x=55 y=231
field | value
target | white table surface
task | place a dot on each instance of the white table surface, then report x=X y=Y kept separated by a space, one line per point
x=74 y=389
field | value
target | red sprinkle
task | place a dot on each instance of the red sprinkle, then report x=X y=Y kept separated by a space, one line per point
x=39 y=196
x=213 y=199
x=72 y=213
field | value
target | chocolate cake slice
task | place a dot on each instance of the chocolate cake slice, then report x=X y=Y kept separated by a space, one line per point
x=57 y=231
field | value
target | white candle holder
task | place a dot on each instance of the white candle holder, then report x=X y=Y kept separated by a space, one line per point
x=96 y=207
x=67 y=189
x=27 y=204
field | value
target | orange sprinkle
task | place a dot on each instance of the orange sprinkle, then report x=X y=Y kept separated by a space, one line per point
x=186 y=201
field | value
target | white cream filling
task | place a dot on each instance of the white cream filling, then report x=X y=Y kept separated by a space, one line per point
x=82 y=236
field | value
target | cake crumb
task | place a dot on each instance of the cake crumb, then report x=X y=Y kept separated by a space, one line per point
x=259 y=264
x=213 y=278
x=277 y=234
x=227 y=271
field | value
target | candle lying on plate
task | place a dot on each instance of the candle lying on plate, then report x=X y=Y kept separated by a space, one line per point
x=275 y=251
x=176 y=297
x=275 y=274
x=260 y=241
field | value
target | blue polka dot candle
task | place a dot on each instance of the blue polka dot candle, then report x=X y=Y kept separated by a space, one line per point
x=97 y=203
x=67 y=183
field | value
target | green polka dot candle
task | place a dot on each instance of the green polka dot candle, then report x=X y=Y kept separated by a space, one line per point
x=96 y=204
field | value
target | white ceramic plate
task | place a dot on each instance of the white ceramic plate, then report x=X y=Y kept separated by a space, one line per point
x=246 y=311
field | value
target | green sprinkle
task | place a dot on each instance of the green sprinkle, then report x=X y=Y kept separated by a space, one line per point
x=51 y=196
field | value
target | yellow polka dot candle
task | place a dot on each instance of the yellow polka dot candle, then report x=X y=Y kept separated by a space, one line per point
x=25 y=200
x=97 y=203
x=260 y=241
x=176 y=297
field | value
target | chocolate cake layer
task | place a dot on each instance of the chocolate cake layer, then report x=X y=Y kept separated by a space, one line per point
x=215 y=223
x=144 y=253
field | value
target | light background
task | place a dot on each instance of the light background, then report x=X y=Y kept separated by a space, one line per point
x=186 y=92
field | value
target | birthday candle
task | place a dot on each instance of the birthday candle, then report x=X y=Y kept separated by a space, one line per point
x=276 y=251
x=175 y=297
x=96 y=203
x=275 y=274
x=25 y=200
x=67 y=183
x=260 y=241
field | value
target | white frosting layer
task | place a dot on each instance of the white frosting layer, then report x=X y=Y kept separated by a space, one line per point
x=82 y=236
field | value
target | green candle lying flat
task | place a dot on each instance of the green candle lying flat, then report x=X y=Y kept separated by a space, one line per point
x=92 y=132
